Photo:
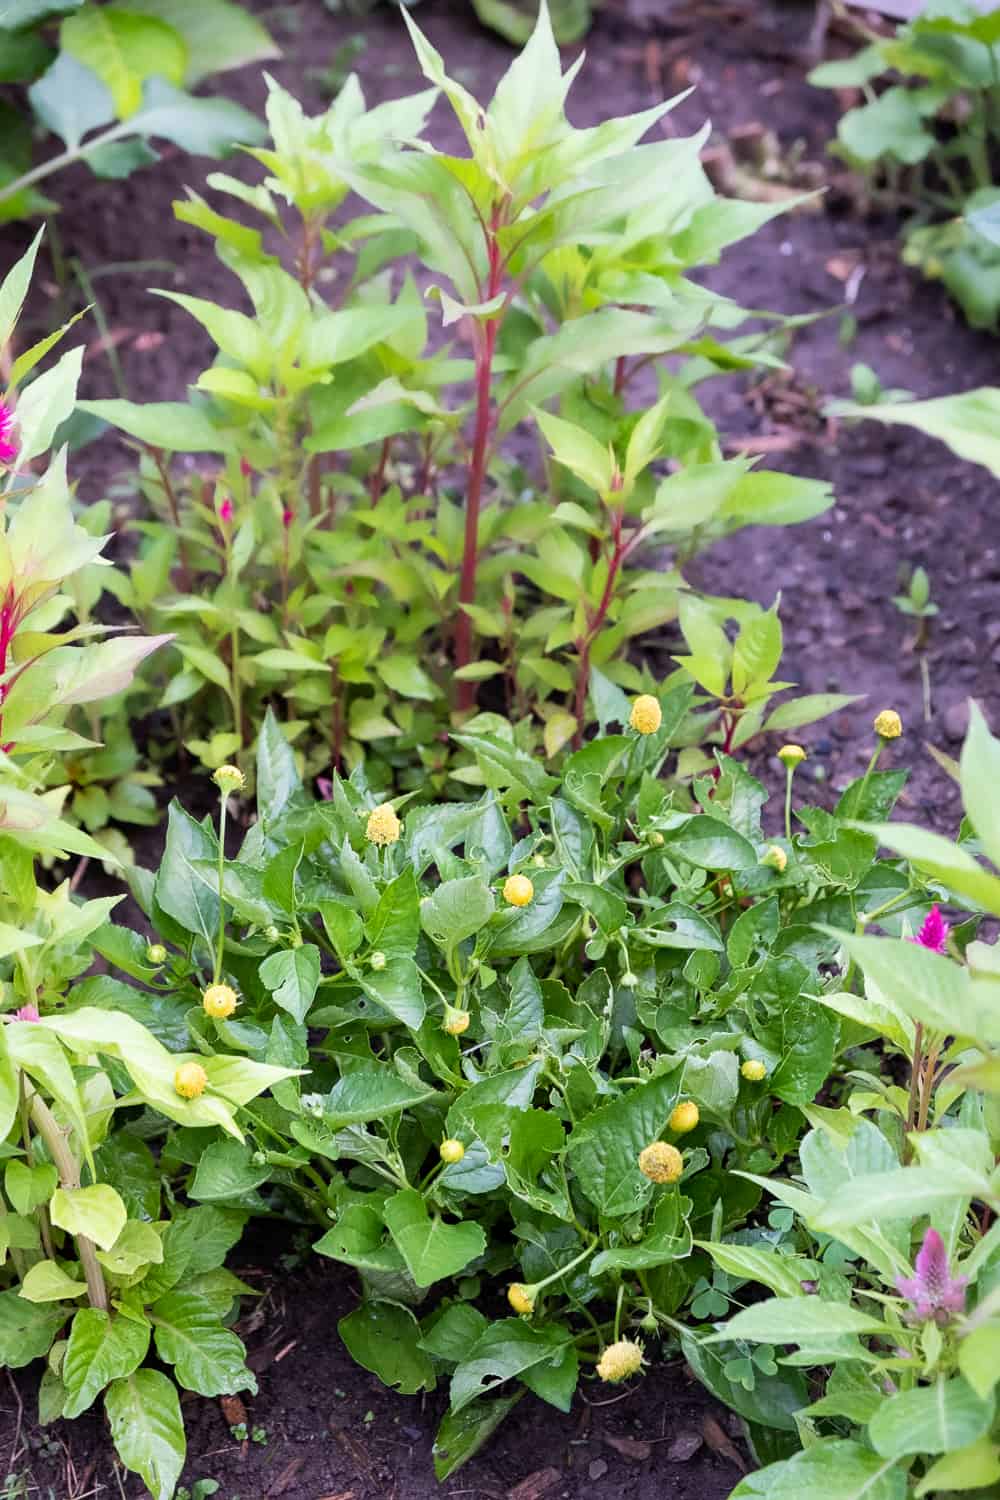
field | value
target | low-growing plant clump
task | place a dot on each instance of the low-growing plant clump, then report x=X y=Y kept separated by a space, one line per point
x=492 y=969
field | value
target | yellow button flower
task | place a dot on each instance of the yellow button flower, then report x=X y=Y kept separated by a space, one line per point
x=753 y=1070
x=455 y=1021
x=775 y=858
x=383 y=826
x=519 y=1300
x=451 y=1151
x=791 y=756
x=156 y=954
x=518 y=890
x=219 y=1001
x=685 y=1117
x=620 y=1360
x=647 y=715
x=190 y=1080
x=661 y=1162
x=229 y=779
x=888 y=724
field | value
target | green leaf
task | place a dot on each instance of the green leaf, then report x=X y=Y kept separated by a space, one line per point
x=790 y=1320
x=398 y=989
x=835 y=1468
x=930 y=1419
x=277 y=776
x=148 y=1430
x=14 y=288
x=774 y=1399
x=927 y=986
x=971 y=1468
x=969 y=423
x=124 y=49
x=219 y=35
x=507 y=1348
x=71 y=100
x=431 y=1248
x=226 y=1169
x=180 y=890
x=462 y=1434
x=385 y=1338
x=603 y=1150
x=163 y=424
x=711 y=845
x=204 y=127
x=101 y=1348
x=457 y=909
x=980 y=772
x=27 y=1328
x=97 y=1212
x=405 y=675
x=47 y=1282
x=292 y=976
x=370 y=1091
x=938 y=857
x=207 y=1357
x=27 y=1187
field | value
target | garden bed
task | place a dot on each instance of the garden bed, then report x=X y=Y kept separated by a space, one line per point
x=333 y=1432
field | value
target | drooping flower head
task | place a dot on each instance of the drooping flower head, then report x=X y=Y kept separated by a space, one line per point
x=8 y=448
x=933 y=1292
x=933 y=932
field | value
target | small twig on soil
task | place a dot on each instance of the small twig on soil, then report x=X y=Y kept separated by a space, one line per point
x=15 y=1446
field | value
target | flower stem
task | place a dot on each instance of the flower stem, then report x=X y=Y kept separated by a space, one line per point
x=221 y=942
x=789 y=776
x=876 y=753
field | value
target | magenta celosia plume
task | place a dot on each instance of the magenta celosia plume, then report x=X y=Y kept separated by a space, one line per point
x=226 y=511
x=933 y=1292
x=934 y=932
x=8 y=449
x=27 y=1013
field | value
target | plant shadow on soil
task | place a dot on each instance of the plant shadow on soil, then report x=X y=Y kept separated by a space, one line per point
x=333 y=1432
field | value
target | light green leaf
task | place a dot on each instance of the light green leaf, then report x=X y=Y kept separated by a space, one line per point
x=793 y=1320
x=148 y=1430
x=930 y=1419
x=124 y=49
x=47 y=1282
x=207 y=1357
x=432 y=1249
x=834 y=1468
x=163 y=424
x=97 y=1212
x=101 y=1348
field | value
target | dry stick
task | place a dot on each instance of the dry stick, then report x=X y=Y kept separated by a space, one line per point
x=69 y=1178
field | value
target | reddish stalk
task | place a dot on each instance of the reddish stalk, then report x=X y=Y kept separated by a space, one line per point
x=377 y=484
x=595 y=623
x=620 y=374
x=175 y=515
x=485 y=348
x=731 y=720
x=8 y=625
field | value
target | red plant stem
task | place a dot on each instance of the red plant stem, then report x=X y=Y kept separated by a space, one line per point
x=620 y=375
x=595 y=624
x=175 y=515
x=378 y=477
x=485 y=347
x=8 y=625
x=731 y=720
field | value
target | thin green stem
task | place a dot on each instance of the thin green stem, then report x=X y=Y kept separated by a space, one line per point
x=221 y=940
x=876 y=753
x=789 y=776
x=66 y=159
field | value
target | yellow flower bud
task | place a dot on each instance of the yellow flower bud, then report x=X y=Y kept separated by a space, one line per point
x=656 y=839
x=383 y=826
x=620 y=1360
x=455 y=1021
x=190 y=1080
x=451 y=1152
x=646 y=715
x=753 y=1070
x=685 y=1117
x=775 y=858
x=219 y=1001
x=518 y=890
x=888 y=724
x=229 y=779
x=519 y=1300
x=661 y=1162
x=377 y=960
x=791 y=756
x=156 y=954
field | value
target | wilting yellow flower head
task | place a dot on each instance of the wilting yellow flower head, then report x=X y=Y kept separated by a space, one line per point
x=791 y=756
x=156 y=954
x=661 y=1162
x=620 y=1360
x=383 y=827
x=646 y=715
x=451 y=1151
x=455 y=1021
x=219 y=1001
x=888 y=724
x=685 y=1117
x=229 y=779
x=190 y=1080
x=518 y=890
x=753 y=1070
x=519 y=1300
x=775 y=858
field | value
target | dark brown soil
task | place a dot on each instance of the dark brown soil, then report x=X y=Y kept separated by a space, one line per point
x=333 y=1432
